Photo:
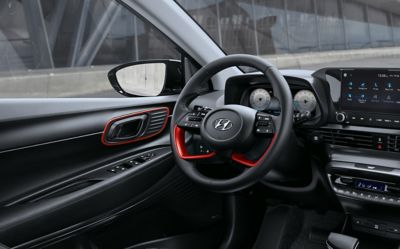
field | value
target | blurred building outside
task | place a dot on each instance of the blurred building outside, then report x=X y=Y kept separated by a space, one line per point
x=64 y=48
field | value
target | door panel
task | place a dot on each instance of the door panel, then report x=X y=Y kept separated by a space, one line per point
x=36 y=121
x=56 y=173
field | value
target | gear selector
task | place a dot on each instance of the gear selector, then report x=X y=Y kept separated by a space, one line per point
x=341 y=241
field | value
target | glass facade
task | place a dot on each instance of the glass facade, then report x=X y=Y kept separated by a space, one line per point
x=69 y=33
x=64 y=48
x=265 y=27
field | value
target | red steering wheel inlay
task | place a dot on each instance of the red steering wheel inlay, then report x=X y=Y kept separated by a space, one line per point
x=179 y=135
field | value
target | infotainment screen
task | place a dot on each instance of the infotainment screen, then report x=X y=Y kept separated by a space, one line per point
x=371 y=90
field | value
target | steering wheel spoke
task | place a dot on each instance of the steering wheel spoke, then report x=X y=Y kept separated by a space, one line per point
x=254 y=160
x=182 y=148
x=264 y=130
x=190 y=123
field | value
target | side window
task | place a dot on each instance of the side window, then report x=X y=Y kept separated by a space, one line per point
x=64 y=48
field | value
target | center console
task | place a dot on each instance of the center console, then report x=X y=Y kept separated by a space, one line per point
x=363 y=138
x=368 y=187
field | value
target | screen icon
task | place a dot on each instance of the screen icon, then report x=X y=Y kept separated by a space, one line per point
x=362 y=99
x=350 y=85
x=362 y=86
x=389 y=86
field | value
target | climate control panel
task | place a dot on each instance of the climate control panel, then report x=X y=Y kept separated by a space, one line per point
x=368 y=119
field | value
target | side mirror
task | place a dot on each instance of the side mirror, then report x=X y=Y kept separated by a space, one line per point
x=147 y=78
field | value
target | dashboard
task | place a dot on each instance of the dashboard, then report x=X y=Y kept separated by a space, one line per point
x=350 y=119
x=365 y=97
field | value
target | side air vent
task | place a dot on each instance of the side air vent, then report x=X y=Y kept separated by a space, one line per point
x=157 y=121
x=347 y=138
x=393 y=143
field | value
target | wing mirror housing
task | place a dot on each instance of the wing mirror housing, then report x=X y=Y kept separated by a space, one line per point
x=147 y=78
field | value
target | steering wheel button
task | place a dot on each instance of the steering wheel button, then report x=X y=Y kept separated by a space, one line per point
x=198 y=108
x=194 y=119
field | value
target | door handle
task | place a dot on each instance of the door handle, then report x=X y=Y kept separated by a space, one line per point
x=135 y=127
x=126 y=129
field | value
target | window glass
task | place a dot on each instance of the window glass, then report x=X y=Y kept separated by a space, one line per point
x=64 y=48
x=320 y=33
x=381 y=33
x=271 y=24
x=302 y=29
x=206 y=13
x=396 y=29
x=330 y=24
x=357 y=28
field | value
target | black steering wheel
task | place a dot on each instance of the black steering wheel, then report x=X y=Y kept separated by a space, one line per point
x=233 y=130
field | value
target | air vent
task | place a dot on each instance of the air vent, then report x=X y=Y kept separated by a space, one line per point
x=347 y=138
x=157 y=121
x=393 y=143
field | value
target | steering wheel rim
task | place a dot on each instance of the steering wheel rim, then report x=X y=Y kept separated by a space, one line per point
x=276 y=147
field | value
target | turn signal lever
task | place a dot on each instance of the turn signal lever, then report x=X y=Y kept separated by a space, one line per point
x=301 y=117
x=341 y=241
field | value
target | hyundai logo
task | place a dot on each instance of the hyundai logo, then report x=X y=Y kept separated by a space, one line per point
x=223 y=124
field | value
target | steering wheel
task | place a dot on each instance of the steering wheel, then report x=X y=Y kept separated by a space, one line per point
x=234 y=133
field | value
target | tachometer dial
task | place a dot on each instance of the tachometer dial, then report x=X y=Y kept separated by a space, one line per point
x=260 y=99
x=305 y=100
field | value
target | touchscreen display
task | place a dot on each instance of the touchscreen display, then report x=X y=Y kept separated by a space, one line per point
x=371 y=90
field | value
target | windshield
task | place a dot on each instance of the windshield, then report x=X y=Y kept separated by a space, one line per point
x=304 y=34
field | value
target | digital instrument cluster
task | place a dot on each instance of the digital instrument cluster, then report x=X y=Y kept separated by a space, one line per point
x=256 y=91
x=303 y=100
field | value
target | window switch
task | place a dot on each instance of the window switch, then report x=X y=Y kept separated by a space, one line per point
x=133 y=162
x=112 y=170
x=127 y=165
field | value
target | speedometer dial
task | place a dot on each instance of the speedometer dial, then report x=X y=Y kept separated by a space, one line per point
x=305 y=100
x=260 y=99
